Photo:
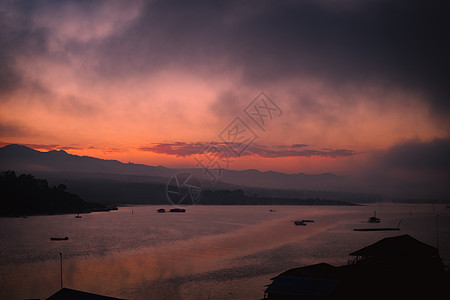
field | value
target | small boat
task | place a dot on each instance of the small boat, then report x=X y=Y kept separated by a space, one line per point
x=161 y=210
x=374 y=219
x=272 y=210
x=376 y=229
x=78 y=216
x=177 y=210
x=380 y=228
x=308 y=221
x=59 y=238
x=299 y=223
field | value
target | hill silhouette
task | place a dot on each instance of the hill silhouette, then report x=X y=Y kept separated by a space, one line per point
x=26 y=195
x=25 y=159
x=111 y=181
x=18 y=157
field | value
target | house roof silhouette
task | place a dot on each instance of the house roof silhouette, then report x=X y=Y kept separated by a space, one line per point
x=394 y=267
x=313 y=280
x=398 y=246
x=70 y=294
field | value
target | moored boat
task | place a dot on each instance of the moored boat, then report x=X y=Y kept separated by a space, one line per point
x=299 y=223
x=59 y=238
x=376 y=229
x=178 y=210
x=374 y=219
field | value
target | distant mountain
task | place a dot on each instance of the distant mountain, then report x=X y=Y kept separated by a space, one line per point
x=111 y=181
x=23 y=159
x=115 y=177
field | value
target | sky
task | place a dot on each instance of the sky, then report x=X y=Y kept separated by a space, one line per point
x=349 y=87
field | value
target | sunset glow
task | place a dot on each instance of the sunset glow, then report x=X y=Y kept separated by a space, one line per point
x=224 y=149
x=109 y=79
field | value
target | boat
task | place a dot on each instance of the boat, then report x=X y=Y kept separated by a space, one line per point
x=161 y=210
x=299 y=223
x=78 y=216
x=376 y=229
x=380 y=228
x=308 y=221
x=374 y=219
x=178 y=210
x=59 y=238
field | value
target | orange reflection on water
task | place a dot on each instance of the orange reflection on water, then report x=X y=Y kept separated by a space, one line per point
x=120 y=274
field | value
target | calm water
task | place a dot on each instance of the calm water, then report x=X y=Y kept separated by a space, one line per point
x=209 y=252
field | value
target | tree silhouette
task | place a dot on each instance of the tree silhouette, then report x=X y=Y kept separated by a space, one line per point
x=27 y=195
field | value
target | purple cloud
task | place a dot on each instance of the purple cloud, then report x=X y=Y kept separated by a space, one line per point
x=183 y=149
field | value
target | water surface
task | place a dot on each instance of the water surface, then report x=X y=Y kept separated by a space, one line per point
x=209 y=252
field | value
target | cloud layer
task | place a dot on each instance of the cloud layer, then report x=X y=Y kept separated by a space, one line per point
x=401 y=42
x=187 y=149
x=353 y=78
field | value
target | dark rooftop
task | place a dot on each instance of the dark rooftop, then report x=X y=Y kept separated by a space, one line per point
x=402 y=245
x=69 y=294
x=317 y=270
x=395 y=267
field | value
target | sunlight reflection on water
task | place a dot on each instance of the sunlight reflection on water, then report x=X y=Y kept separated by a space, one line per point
x=209 y=251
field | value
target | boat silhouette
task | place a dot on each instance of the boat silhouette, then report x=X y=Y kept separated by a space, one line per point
x=374 y=219
x=59 y=238
x=178 y=210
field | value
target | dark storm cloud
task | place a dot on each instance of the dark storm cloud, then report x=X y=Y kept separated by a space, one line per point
x=393 y=43
x=11 y=42
x=419 y=156
x=181 y=34
x=401 y=43
x=18 y=38
x=389 y=42
x=9 y=79
x=413 y=169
